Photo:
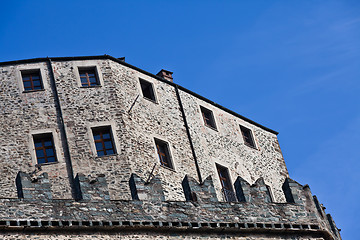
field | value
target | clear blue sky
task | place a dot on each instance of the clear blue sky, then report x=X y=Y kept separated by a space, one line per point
x=293 y=66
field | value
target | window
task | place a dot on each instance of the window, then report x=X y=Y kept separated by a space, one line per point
x=225 y=181
x=88 y=77
x=147 y=90
x=163 y=153
x=44 y=148
x=208 y=117
x=248 y=137
x=103 y=141
x=32 y=80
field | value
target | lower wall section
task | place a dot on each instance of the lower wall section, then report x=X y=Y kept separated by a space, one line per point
x=153 y=235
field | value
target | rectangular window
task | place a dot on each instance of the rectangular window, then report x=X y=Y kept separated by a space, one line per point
x=225 y=181
x=147 y=90
x=88 y=77
x=248 y=137
x=32 y=80
x=163 y=153
x=208 y=117
x=44 y=148
x=104 y=142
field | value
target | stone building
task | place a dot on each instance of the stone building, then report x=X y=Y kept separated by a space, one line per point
x=95 y=148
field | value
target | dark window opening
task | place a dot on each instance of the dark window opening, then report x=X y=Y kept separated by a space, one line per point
x=225 y=181
x=32 y=80
x=208 y=117
x=147 y=90
x=45 y=148
x=248 y=137
x=103 y=141
x=88 y=77
x=163 y=153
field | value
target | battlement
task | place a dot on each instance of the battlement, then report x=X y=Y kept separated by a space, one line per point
x=254 y=211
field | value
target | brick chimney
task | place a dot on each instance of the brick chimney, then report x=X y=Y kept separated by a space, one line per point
x=165 y=74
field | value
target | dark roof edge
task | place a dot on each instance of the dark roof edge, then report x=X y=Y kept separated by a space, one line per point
x=33 y=60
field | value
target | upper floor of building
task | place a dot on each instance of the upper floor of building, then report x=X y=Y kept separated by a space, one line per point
x=102 y=115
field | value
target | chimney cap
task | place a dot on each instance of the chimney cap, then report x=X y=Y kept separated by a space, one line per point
x=165 y=74
x=166 y=71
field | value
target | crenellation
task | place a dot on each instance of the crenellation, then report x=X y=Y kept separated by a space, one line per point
x=95 y=208
x=242 y=189
x=31 y=186
x=199 y=192
x=151 y=190
x=91 y=188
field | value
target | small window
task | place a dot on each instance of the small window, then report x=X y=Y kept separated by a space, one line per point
x=225 y=181
x=208 y=117
x=147 y=90
x=248 y=137
x=32 y=80
x=45 y=148
x=104 y=142
x=88 y=77
x=163 y=153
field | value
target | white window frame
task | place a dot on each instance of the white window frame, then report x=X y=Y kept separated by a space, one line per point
x=31 y=67
x=216 y=128
x=153 y=88
x=255 y=147
x=152 y=81
x=56 y=140
x=160 y=138
x=88 y=64
x=110 y=124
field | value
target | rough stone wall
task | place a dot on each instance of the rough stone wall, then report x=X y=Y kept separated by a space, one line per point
x=202 y=216
x=225 y=146
x=151 y=236
x=134 y=130
x=22 y=114
x=135 y=121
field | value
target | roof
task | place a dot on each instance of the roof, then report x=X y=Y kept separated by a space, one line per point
x=122 y=62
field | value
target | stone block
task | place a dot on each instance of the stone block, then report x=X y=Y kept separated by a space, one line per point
x=242 y=189
x=293 y=191
x=146 y=191
x=91 y=188
x=33 y=187
x=204 y=192
x=259 y=192
x=332 y=224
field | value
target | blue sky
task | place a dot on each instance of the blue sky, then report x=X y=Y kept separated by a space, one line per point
x=292 y=66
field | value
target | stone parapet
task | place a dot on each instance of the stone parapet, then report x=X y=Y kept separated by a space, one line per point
x=91 y=188
x=33 y=187
x=95 y=208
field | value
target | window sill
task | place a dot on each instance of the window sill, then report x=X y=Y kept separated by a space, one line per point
x=46 y=164
x=29 y=91
x=168 y=168
x=253 y=147
x=153 y=101
x=211 y=127
x=97 y=86
x=104 y=156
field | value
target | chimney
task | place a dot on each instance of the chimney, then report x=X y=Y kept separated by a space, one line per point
x=165 y=74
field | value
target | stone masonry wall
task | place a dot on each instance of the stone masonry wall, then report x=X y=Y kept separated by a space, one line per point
x=225 y=146
x=148 y=212
x=134 y=130
x=135 y=122
x=150 y=236
x=23 y=114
